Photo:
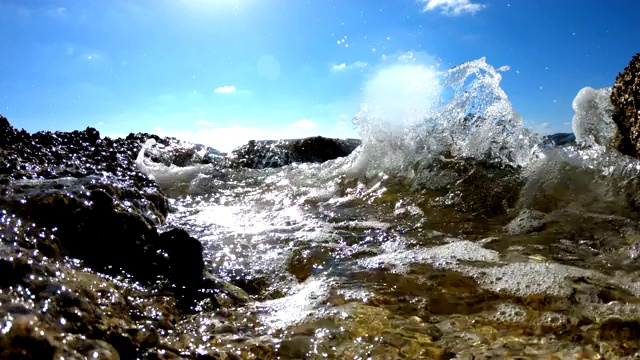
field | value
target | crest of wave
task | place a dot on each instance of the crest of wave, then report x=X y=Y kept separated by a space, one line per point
x=413 y=112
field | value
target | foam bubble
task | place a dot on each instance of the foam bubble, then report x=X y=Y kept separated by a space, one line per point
x=443 y=256
x=521 y=279
x=551 y=319
x=509 y=313
x=525 y=279
x=165 y=175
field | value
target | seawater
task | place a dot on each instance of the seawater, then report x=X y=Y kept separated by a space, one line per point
x=451 y=228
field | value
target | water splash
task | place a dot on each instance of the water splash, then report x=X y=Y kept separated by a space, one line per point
x=413 y=112
x=592 y=122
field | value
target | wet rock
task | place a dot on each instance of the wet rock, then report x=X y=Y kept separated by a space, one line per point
x=480 y=188
x=84 y=271
x=305 y=262
x=257 y=286
x=23 y=339
x=48 y=307
x=106 y=236
x=223 y=292
x=295 y=348
x=625 y=98
x=101 y=209
x=174 y=152
x=186 y=264
x=527 y=221
x=273 y=154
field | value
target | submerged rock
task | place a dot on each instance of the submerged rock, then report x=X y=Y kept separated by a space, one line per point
x=273 y=154
x=625 y=98
x=525 y=222
x=479 y=188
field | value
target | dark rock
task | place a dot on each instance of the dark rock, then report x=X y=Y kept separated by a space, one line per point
x=479 y=188
x=295 y=348
x=560 y=139
x=93 y=204
x=186 y=264
x=108 y=236
x=24 y=340
x=171 y=151
x=71 y=204
x=305 y=262
x=273 y=154
x=625 y=98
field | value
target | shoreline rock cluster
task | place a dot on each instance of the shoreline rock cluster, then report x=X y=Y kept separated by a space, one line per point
x=85 y=270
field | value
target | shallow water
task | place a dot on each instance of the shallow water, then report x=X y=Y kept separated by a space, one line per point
x=451 y=232
x=377 y=266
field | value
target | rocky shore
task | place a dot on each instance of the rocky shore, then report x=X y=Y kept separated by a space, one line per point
x=90 y=267
x=85 y=271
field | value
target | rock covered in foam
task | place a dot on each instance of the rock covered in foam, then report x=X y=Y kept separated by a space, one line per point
x=592 y=122
x=171 y=151
x=273 y=154
x=625 y=98
x=444 y=256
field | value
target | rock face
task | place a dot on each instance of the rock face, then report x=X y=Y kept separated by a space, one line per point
x=103 y=210
x=272 y=154
x=625 y=98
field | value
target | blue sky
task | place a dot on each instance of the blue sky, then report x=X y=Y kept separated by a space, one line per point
x=222 y=72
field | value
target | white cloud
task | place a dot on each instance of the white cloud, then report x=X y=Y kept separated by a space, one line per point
x=344 y=66
x=452 y=7
x=205 y=122
x=339 y=67
x=504 y=68
x=304 y=124
x=60 y=12
x=359 y=64
x=225 y=89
